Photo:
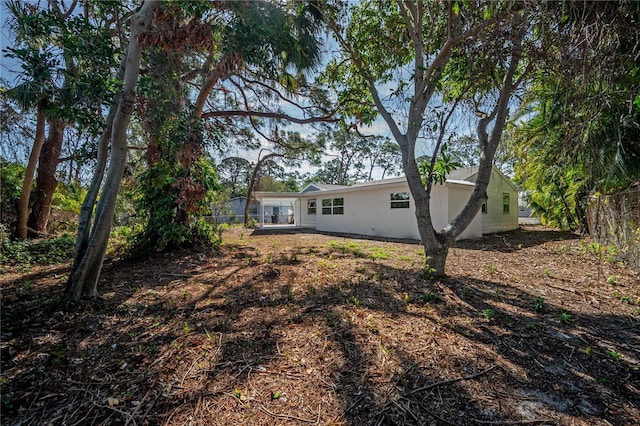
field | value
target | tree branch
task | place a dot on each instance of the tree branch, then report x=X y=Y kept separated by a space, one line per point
x=272 y=115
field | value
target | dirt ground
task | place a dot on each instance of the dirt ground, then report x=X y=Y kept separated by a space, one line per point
x=530 y=327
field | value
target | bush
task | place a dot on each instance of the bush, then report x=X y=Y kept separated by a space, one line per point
x=48 y=251
x=11 y=177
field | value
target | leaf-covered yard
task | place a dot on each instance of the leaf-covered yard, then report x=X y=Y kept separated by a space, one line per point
x=530 y=327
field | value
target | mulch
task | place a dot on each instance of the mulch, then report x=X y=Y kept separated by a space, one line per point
x=533 y=326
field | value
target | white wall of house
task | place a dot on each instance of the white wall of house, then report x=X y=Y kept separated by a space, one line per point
x=308 y=220
x=367 y=211
x=496 y=220
x=458 y=195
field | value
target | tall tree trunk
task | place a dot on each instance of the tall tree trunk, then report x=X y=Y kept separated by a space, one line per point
x=46 y=181
x=23 y=205
x=84 y=278
x=89 y=202
x=252 y=183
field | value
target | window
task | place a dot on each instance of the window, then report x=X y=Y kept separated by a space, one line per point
x=311 y=206
x=399 y=200
x=484 y=208
x=333 y=206
x=505 y=203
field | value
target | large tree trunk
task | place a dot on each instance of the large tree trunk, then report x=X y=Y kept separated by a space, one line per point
x=89 y=202
x=46 y=181
x=253 y=182
x=23 y=205
x=84 y=278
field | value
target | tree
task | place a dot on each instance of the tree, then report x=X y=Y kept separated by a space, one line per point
x=438 y=49
x=290 y=148
x=381 y=152
x=72 y=54
x=580 y=129
x=348 y=150
x=36 y=90
x=91 y=246
x=247 y=59
x=294 y=25
x=234 y=173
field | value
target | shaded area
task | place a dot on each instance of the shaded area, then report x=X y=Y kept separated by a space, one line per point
x=312 y=329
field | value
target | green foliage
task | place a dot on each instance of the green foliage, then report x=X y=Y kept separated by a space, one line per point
x=68 y=198
x=581 y=130
x=615 y=355
x=444 y=165
x=488 y=313
x=11 y=176
x=601 y=252
x=176 y=190
x=47 y=251
x=538 y=304
x=429 y=298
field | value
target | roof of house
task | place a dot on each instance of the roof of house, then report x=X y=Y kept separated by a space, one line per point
x=463 y=173
x=333 y=189
x=320 y=187
x=467 y=173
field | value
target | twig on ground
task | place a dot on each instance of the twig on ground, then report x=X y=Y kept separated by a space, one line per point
x=124 y=413
x=286 y=416
x=459 y=379
x=434 y=415
x=142 y=401
x=514 y=422
x=349 y=408
x=167 y=274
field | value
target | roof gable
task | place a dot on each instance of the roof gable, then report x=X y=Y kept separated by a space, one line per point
x=320 y=187
x=469 y=174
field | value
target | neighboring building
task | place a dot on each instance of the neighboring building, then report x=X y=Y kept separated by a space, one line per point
x=233 y=211
x=386 y=208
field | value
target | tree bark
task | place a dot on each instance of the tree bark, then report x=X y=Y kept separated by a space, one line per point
x=46 y=181
x=84 y=278
x=23 y=205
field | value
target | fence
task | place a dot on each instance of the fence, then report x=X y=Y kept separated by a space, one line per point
x=615 y=220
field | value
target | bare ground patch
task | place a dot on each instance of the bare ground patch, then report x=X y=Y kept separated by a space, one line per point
x=530 y=327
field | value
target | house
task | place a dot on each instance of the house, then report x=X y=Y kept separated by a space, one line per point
x=385 y=208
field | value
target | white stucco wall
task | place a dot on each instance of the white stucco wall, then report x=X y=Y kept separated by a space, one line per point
x=495 y=220
x=458 y=197
x=308 y=220
x=368 y=211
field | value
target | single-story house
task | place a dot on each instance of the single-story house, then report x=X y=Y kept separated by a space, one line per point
x=385 y=208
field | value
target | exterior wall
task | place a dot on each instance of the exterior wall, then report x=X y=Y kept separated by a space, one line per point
x=495 y=220
x=458 y=197
x=308 y=220
x=368 y=212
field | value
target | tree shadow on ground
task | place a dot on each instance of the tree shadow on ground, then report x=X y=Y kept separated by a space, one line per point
x=242 y=340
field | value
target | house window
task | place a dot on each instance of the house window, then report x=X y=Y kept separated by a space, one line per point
x=311 y=206
x=484 y=208
x=505 y=203
x=333 y=206
x=399 y=200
